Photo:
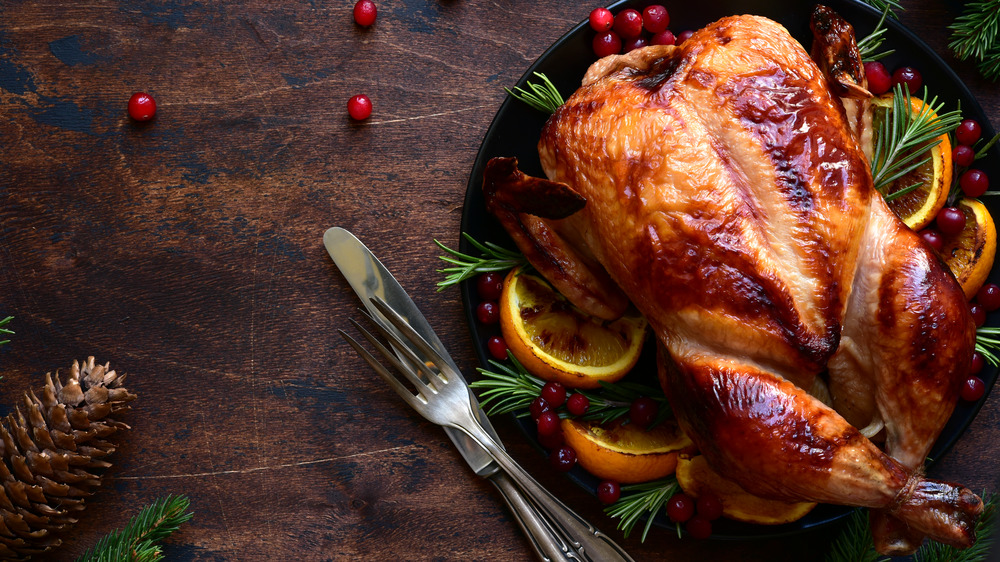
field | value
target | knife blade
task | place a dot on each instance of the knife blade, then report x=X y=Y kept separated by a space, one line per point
x=369 y=278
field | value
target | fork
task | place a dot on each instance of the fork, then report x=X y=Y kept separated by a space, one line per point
x=443 y=398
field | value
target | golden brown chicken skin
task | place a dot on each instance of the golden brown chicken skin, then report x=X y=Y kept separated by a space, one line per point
x=727 y=198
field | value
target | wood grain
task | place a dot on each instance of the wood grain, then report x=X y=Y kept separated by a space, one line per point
x=187 y=252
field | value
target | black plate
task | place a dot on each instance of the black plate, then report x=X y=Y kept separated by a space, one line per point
x=516 y=127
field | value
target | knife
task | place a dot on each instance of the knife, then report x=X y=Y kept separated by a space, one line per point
x=369 y=278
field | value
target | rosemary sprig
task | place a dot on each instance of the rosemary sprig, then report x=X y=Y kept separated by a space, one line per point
x=904 y=136
x=869 y=45
x=988 y=344
x=137 y=541
x=544 y=97
x=493 y=258
x=4 y=330
x=976 y=35
x=885 y=6
x=638 y=500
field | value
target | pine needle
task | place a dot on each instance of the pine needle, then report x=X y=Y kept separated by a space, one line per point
x=642 y=500
x=855 y=543
x=464 y=266
x=885 y=6
x=933 y=551
x=136 y=542
x=976 y=35
x=868 y=46
x=988 y=344
x=4 y=330
x=544 y=97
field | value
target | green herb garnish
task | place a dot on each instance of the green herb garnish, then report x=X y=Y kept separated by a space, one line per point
x=493 y=258
x=544 y=97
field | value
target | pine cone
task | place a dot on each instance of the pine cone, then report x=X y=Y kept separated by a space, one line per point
x=50 y=452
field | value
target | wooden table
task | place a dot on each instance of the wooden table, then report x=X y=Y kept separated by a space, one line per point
x=187 y=252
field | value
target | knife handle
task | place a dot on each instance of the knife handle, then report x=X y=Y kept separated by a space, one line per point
x=547 y=544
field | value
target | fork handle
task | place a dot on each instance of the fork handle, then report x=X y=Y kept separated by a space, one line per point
x=589 y=542
x=547 y=544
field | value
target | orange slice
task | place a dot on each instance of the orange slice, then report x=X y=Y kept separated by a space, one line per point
x=556 y=341
x=626 y=453
x=919 y=207
x=696 y=477
x=970 y=253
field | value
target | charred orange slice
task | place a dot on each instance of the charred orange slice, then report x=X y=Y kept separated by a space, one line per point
x=918 y=207
x=556 y=341
x=626 y=453
x=697 y=477
x=970 y=253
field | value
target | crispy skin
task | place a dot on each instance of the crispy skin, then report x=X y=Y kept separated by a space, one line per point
x=728 y=198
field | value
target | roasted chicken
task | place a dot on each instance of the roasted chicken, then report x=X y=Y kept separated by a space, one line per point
x=811 y=344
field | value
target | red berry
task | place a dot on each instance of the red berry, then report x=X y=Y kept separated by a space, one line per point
x=608 y=491
x=663 y=38
x=978 y=314
x=628 y=24
x=699 y=527
x=633 y=44
x=489 y=286
x=552 y=441
x=607 y=43
x=538 y=407
x=963 y=155
x=601 y=20
x=909 y=76
x=879 y=80
x=933 y=239
x=683 y=36
x=709 y=506
x=554 y=393
x=973 y=389
x=578 y=404
x=548 y=423
x=364 y=13
x=359 y=107
x=950 y=221
x=563 y=459
x=974 y=183
x=655 y=18
x=141 y=106
x=680 y=507
x=977 y=363
x=497 y=348
x=488 y=312
x=968 y=132
x=643 y=411
x=989 y=296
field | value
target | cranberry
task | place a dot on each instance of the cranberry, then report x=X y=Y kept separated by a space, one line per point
x=699 y=527
x=548 y=423
x=578 y=404
x=141 y=106
x=974 y=183
x=909 y=76
x=655 y=18
x=608 y=491
x=977 y=363
x=563 y=459
x=601 y=20
x=359 y=107
x=643 y=411
x=538 y=407
x=663 y=38
x=978 y=314
x=683 y=36
x=709 y=506
x=879 y=80
x=364 y=13
x=497 y=348
x=968 y=132
x=489 y=286
x=933 y=239
x=554 y=393
x=973 y=389
x=963 y=155
x=633 y=44
x=950 y=221
x=628 y=24
x=488 y=312
x=607 y=43
x=989 y=296
x=552 y=441
x=680 y=508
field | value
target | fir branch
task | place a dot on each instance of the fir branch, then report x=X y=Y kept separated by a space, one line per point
x=642 y=500
x=4 y=330
x=136 y=542
x=904 y=136
x=976 y=35
x=493 y=258
x=544 y=97
x=869 y=45
x=855 y=543
x=933 y=551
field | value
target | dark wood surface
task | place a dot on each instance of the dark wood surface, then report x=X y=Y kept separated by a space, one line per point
x=187 y=252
